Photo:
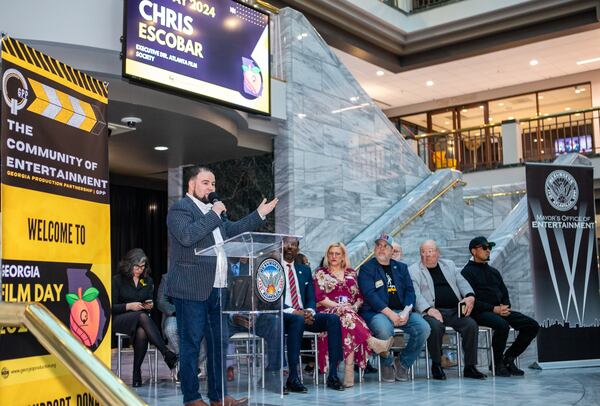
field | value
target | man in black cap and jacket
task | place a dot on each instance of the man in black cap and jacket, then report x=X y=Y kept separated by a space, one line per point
x=492 y=309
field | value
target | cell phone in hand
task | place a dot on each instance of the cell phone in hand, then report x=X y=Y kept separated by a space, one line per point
x=462 y=309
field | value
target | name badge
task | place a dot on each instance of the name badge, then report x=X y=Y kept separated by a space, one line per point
x=378 y=284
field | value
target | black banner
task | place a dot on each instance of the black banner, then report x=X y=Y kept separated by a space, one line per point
x=563 y=257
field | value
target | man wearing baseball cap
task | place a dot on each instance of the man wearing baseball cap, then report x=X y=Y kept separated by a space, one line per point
x=492 y=309
x=388 y=290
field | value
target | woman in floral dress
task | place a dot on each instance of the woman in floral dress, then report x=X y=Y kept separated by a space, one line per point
x=336 y=291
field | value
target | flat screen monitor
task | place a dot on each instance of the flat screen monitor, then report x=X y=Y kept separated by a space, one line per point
x=581 y=143
x=215 y=49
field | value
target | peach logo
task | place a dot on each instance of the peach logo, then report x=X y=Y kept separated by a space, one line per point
x=85 y=315
x=252 y=77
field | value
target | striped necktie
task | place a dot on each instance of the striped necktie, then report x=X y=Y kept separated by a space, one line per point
x=293 y=288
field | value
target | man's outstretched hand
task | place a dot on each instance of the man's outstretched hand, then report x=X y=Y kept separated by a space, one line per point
x=264 y=208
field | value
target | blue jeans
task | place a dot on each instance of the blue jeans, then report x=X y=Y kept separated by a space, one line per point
x=417 y=329
x=195 y=320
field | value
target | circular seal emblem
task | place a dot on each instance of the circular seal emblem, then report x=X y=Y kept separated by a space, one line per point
x=561 y=190
x=5 y=373
x=270 y=280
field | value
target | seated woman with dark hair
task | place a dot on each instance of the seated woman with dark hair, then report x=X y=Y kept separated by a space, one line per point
x=132 y=291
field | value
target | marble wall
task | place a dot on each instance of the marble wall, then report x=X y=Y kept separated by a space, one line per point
x=437 y=222
x=339 y=162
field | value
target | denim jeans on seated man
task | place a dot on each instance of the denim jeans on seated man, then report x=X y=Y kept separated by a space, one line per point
x=172 y=336
x=388 y=289
x=416 y=327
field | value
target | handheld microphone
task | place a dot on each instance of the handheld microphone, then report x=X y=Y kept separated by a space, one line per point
x=213 y=197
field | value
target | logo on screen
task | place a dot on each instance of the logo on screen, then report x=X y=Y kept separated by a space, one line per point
x=561 y=190
x=15 y=90
x=270 y=280
x=253 y=83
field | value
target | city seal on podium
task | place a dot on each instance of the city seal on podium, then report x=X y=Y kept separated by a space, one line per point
x=270 y=280
x=561 y=190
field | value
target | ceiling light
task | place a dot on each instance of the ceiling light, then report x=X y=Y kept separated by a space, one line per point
x=301 y=115
x=511 y=118
x=540 y=97
x=380 y=73
x=161 y=148
x=464 y=110
x=577 y=91
x=546 y=114
x=583 y=62
x=491 y=120
x=500 y=104
x=577 y=114
x=447 y=122
x=429 y=83
x=567 y=108
x=481 y=106
x=533 y=62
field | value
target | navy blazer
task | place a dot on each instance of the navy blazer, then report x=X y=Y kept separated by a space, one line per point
x=376 y=298
x=306 y=288
x=191 y=277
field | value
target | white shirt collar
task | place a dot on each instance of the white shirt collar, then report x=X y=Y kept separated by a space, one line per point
x=205 y=207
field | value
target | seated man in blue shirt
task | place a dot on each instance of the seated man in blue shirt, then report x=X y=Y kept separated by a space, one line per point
x=388 y=289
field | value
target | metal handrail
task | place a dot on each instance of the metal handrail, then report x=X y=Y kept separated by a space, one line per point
x=561 y=114
x=81 y=362
x=490 y=125
x=419 y=213
x=469 y=198
x=459 y=130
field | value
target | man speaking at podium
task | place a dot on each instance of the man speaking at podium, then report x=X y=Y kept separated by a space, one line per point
x=199 y=221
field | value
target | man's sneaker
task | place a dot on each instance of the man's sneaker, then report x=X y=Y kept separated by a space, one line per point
x=388 y=373
x=512 y=368
x=402 y=373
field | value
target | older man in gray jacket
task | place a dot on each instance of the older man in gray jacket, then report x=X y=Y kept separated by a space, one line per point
x=445 y=298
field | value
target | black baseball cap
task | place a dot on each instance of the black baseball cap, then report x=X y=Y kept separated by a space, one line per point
x=480 y=241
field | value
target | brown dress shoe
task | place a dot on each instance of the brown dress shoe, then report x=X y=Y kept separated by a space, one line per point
x=229 y=401
x=198 y=402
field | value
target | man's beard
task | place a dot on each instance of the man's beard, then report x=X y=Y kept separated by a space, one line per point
x=202 y=199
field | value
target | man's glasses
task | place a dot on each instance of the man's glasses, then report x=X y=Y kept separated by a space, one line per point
x=486 y=247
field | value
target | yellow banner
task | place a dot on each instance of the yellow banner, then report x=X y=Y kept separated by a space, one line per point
x=55 y=219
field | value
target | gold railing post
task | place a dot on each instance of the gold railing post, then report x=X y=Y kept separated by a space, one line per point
x=80 y=361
